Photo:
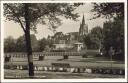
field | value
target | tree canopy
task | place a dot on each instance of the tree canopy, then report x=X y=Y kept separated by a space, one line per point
x=44 y=13
x=94 y=38
x=113 y=30
x=114 y=36
x=9 y=44
x=108 y=10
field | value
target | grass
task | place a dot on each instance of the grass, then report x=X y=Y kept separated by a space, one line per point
x=23 y=74
x=74 y=61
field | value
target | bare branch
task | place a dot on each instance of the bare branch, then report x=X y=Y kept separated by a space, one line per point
x=17 y=18
x=21 y=24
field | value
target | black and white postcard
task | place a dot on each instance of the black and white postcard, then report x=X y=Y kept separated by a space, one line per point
x=63 y=41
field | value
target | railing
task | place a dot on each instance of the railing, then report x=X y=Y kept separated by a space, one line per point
x=21 y=56
x=16 y=54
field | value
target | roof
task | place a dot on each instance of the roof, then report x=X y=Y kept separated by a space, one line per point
x=73 y=33
x=78 y=43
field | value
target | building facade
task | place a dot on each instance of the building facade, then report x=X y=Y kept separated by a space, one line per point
x=72 y=39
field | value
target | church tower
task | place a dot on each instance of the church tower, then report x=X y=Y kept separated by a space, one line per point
x=83 y=30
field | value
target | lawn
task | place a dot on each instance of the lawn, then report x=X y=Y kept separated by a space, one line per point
x=73 y=61
x=23 y=74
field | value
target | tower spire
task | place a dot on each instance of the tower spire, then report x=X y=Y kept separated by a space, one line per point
x=83 y=21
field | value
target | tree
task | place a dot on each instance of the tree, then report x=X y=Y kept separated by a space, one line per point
x=108 y=10
x=44 y=43
x=9 y=44
x=41 y=44
x=21 y=45
x=34 y=43
x=94 y=39
x=97 y=32
x=113 y=30
x=114 y=36
x=87 y=41
x=28 y=15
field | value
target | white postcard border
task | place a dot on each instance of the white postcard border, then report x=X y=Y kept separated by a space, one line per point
x=63 y=80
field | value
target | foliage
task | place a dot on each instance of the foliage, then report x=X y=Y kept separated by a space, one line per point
x=9 y=44
x=94 y=38
x=108 y=10
x=97 y=32
x=43 y=44
x=113 y=30
x=114 y=36
x=87 y=41
x=44 y=13
x=19 y=44
x=34 y=43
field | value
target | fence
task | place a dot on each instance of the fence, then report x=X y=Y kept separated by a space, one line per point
x=16 y=54
x=57 y=67
x=41 y=55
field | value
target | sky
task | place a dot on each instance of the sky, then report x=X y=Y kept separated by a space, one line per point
x=14 y=29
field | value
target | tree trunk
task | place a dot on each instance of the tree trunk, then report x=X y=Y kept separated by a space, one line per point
x=28 y=41
x=29 y=54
